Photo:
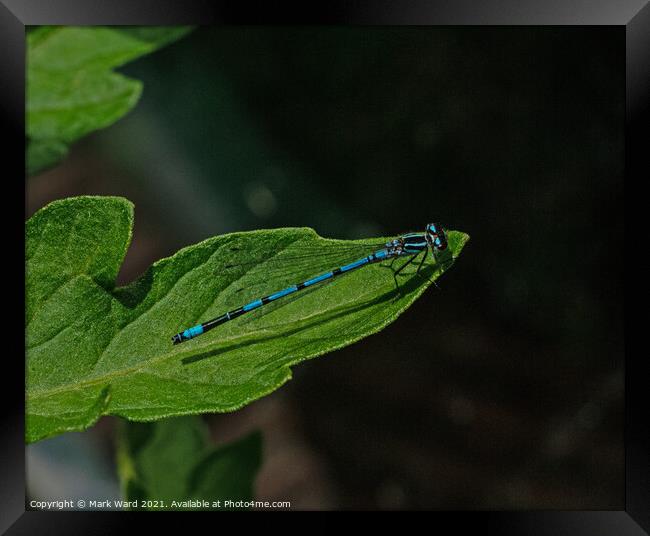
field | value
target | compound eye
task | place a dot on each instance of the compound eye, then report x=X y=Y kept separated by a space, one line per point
x=440 y=244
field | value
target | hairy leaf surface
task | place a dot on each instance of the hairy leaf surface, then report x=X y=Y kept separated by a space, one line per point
x=93 y=349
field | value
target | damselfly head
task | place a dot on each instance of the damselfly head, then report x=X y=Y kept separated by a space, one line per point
x=436 y=237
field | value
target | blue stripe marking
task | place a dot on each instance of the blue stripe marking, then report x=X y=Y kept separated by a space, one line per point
x=252 y=305
x=318 y=279
x=282 y=293
x=414 y=248
x=360 y=262
x=381 y=254
x=193 y=332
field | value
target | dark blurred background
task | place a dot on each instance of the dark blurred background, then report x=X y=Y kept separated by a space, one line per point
x=502 y=389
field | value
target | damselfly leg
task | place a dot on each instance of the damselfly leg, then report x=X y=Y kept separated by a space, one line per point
x=396 y=272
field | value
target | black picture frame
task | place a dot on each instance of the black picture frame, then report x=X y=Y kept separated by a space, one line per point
x=633 y=18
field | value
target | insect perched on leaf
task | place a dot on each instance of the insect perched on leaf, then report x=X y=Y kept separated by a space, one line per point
x=410 y=245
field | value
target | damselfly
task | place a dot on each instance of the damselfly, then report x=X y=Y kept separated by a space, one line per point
x=408 y=245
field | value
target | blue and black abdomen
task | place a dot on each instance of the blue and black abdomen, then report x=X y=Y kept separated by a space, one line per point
x=206 y=326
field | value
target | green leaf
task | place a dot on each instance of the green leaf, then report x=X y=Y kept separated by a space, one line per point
x=71 y=87
x=94 y=350
x=172 y=460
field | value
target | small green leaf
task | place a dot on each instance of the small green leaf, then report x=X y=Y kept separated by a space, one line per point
x=71 y=87
x=172 y=460
x=94 y=350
